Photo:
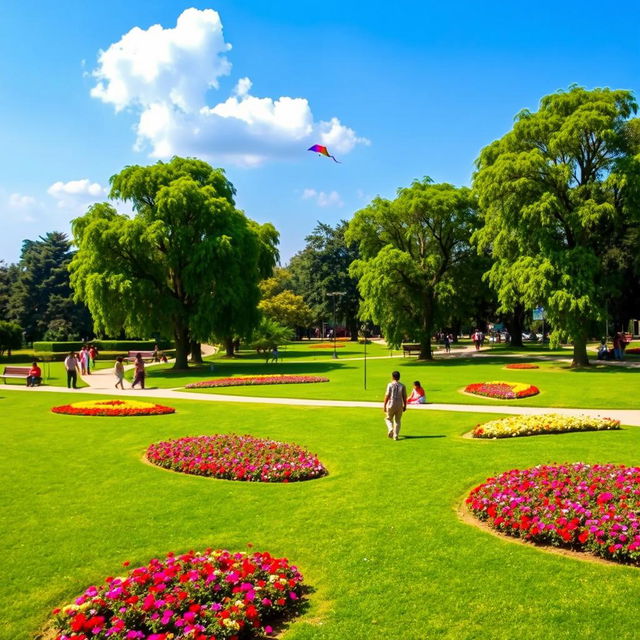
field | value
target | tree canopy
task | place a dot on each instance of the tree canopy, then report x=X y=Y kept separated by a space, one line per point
x=186 y=264
x=413 y=253
x=559 y=195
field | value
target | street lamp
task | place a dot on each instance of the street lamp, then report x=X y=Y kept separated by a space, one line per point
x=365 y=334
x=333 y=294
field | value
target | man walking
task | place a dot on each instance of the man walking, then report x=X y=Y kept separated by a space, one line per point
x=71 y=365
x=395 y=404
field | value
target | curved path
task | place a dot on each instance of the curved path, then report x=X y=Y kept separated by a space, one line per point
x=626 y=416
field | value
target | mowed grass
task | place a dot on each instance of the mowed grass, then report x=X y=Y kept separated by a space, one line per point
x=600 y=386
x=379 y=540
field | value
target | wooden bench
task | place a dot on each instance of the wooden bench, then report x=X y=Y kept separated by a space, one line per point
x=15 y=372
x=146 y=355
x=408 y=349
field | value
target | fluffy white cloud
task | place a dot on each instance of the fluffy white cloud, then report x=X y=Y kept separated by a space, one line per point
x=323 y=199
x=76 y=194
x=164 y=75
x=22 y=207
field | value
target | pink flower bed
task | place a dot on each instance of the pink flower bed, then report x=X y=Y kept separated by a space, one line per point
x=234 y=457
x=214 y=595
x=579 y=506
x=113 y=408
x=254 y=380
x=522 y=365
x=502 y=390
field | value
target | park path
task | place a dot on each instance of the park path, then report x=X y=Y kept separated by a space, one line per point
x=626 y=416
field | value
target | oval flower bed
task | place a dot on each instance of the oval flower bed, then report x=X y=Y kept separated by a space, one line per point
x=514 y=426
x=215 y=594
x=522 y=365
x=234 y=457
x=113 y=408
x=327 y=345
x=578 y=506
x=502 y=390
x=633 y=350
x=241 y=381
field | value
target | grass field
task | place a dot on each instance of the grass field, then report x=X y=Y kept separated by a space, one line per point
x=378 y=540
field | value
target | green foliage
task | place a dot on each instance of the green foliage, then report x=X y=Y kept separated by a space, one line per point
x=323 y=266
x=558 y=194
x=10 y=336
x=102 y=345
x=269 y=334
x=8 y=277
x=288 y=309
x=41 y=298
x=415 y=252
x=187 y=264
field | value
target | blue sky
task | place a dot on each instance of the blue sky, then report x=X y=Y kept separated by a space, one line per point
x=399 y=91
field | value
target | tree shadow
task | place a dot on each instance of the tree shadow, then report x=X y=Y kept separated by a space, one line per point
x=419 y=437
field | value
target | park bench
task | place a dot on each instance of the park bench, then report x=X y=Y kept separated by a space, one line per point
x=146 y=355
x=408 y=349
x=15 y=372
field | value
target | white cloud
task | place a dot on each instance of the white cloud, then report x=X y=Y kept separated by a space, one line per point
x=76 y=195
x=323 y=199
x=164 y=74
x=24 y=208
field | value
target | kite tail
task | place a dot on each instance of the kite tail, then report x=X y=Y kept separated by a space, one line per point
x=338 y=161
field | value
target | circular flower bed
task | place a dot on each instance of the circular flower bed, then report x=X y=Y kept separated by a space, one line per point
x=234 y=457
x=579 y=506
x=326 y=345
x=514 y=426
x=113 y=408
x=215 y=594
x=522 y=365
x=254 y=381
x=502 y=390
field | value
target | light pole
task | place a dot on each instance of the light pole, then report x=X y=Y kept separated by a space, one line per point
x=364 y=335
x=333 y=294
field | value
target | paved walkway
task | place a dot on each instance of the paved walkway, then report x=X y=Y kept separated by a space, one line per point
x=626 y=416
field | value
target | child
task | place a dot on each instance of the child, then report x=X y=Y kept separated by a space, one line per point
x=418 y=395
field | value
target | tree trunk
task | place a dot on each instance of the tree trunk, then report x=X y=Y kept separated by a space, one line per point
x=228 y=345
x=181 y=336
x=514 y=326
x=196 y=352
x=425 y=349
x=580 y=358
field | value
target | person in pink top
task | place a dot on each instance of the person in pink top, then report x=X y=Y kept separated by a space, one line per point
x=139 y=369
x=418 y=396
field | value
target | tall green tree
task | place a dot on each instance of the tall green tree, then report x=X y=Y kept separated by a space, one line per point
x=558 y=193
x=322 y=267
x=41 y=294
x=186 y=264
x=414 y=251
x=8 y=278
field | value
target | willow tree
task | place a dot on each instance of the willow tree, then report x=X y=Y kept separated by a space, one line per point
x=558 y=194
x=186 y=263
x=414 y=251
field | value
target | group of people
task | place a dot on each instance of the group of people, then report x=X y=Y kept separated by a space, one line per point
x=478 y=339
x=81 y=363
x=620 y=343
x=138 y=365
x=396 y=401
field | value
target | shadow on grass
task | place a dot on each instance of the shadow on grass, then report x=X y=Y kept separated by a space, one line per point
x=419 y=437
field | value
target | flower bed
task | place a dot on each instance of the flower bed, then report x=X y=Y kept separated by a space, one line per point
x=234 y=457
x=215 y=594
x=502 y=390
x=254 y=381
x=522 y=365
x=633 y=351
x=327 y=345
x=579 y=506
x=113 y=408
x=514 y=426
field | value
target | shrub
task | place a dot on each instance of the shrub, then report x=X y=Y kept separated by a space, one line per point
x=213 y=594
x=242 y=381
x=540 y=424
x=10 y=336
x=234 y=457
x=579 y=506
x=103 y=345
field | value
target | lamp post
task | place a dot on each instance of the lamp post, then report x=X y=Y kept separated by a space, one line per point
x=364 y=331
x=333 y=294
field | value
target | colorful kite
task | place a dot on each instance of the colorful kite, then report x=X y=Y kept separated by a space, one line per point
x=318 y=148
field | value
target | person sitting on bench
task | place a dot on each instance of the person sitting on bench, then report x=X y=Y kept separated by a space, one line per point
x=34 y=379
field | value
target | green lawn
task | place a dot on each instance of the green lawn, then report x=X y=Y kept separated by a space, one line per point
x=601 y=386
x=378 y=540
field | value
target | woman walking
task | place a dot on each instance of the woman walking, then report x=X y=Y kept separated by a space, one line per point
x=118 y=370
x=139 y=368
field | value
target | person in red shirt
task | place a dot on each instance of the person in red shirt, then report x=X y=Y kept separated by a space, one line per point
x=34 y=379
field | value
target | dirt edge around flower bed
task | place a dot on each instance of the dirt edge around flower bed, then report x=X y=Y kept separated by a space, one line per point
x=477 y=395
x=469 y=434
x=465 y=516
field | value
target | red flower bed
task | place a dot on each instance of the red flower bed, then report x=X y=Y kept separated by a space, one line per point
x=502 y=390
x=633 y=350
x=234 y=457
x=254 y=381
x=579 y=506
x=326 y=345
x=113 y=408
x=522 y=365
x=215 y=595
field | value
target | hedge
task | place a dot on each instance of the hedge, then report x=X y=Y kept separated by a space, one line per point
x=103 y=345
